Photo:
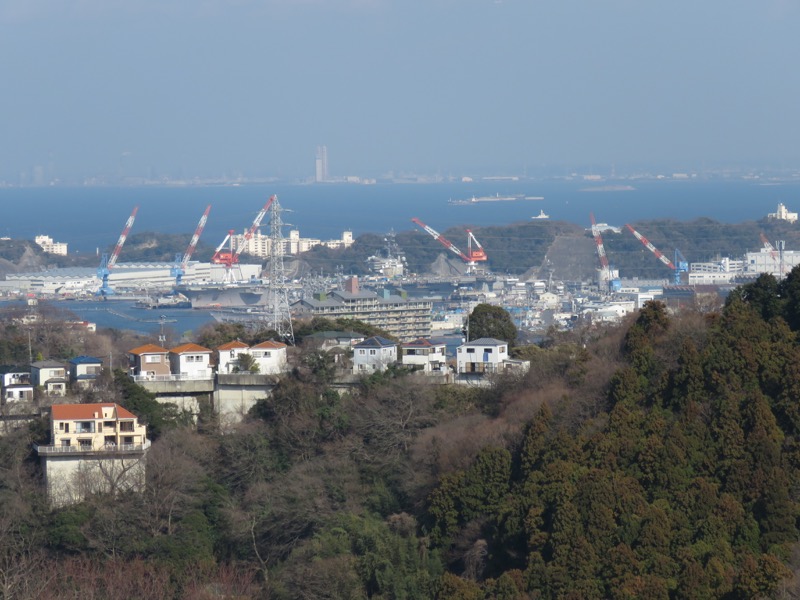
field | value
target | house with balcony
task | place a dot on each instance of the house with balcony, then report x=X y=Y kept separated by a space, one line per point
x=148 y=362
x=191 y=361
x=373 y=354
x=424 y=355
x=486 y=356
x=83 y=370
x=15 y=385
x=94 y=448
x=50 y=376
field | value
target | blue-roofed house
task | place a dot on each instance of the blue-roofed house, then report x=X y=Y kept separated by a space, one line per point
x=83 y=370
x=373 y=354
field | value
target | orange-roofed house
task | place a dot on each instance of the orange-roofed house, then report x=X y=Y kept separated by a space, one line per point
x=191 y=361
x=149 y=362
x=228 y=356
x=94 y=448
x=270 y=357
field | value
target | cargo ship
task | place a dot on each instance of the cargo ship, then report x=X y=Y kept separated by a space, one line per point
x=495 y=198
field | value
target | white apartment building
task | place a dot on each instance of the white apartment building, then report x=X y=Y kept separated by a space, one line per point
x=48 y=245
x=261 y=245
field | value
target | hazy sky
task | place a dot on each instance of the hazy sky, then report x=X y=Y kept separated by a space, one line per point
x=219 y=86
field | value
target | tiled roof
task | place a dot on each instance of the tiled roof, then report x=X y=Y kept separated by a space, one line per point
x=186 y=348
x=86 y=360
x=148 y=349
x=67 y=412
x=234 y=345
x=421 y=343
x=270 y=344
x=47 y=364
x=486 y=342
x=375 y=341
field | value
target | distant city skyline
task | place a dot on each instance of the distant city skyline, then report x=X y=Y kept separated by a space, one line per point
x=178 y=90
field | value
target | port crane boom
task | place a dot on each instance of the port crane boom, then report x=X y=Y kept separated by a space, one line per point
x=601 y=251
x=472 y=256
x=179 y=268
x=230 y=256
x=107 y=263
x=682 y=267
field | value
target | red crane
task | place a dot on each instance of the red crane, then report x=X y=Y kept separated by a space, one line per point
x=230 y=256
x=179 y=268
x=106 y=263
x=652 y=248
x=771 y=249
x=601 y=251
x=472 y=256
x=682 y=267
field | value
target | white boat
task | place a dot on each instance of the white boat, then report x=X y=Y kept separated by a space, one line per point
x=541 y=215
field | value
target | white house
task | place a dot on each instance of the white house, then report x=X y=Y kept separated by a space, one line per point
x=373 y=354
x=484 y=355
x=270 y=357
x=17 y=387
x=228 y=356
x=93 y=448
x=191 y=361
x=51 y=376
x=424 y=354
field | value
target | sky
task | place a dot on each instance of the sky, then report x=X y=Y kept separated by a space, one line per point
x=245 y=87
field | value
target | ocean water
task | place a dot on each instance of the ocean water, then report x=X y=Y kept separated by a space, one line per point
x=88 y=218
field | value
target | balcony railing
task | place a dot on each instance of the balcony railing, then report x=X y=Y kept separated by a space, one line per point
x=79 y=448
x=208 y=374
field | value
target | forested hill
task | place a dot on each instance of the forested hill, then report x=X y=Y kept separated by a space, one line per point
x=655 y=460
x=680 y=482
x=518 y=247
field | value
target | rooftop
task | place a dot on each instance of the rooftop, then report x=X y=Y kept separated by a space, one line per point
x=376 y=341
x=68 y=412
x=186 y=348
x=148 y=349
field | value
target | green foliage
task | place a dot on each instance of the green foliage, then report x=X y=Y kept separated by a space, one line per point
x=489 y=321
x=156 y=415
x=680 y=489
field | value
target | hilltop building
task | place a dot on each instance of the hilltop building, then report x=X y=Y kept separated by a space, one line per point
x=94 y=448
x=783 y=214
x=48 y=245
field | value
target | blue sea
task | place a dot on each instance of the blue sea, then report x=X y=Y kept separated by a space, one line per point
x=88 y=218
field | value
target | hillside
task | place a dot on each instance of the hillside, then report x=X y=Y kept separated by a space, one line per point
x=537 y=248
x=658 y=459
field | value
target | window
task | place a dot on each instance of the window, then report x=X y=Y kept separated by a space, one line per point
x=126 y=425
x=152 y=358
x=372 y=352
x=487 y=350
x=84 y=427
x=362 y=352
x=65 y=443
x=108 y=424
x=470 y=350
x=85 y=444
